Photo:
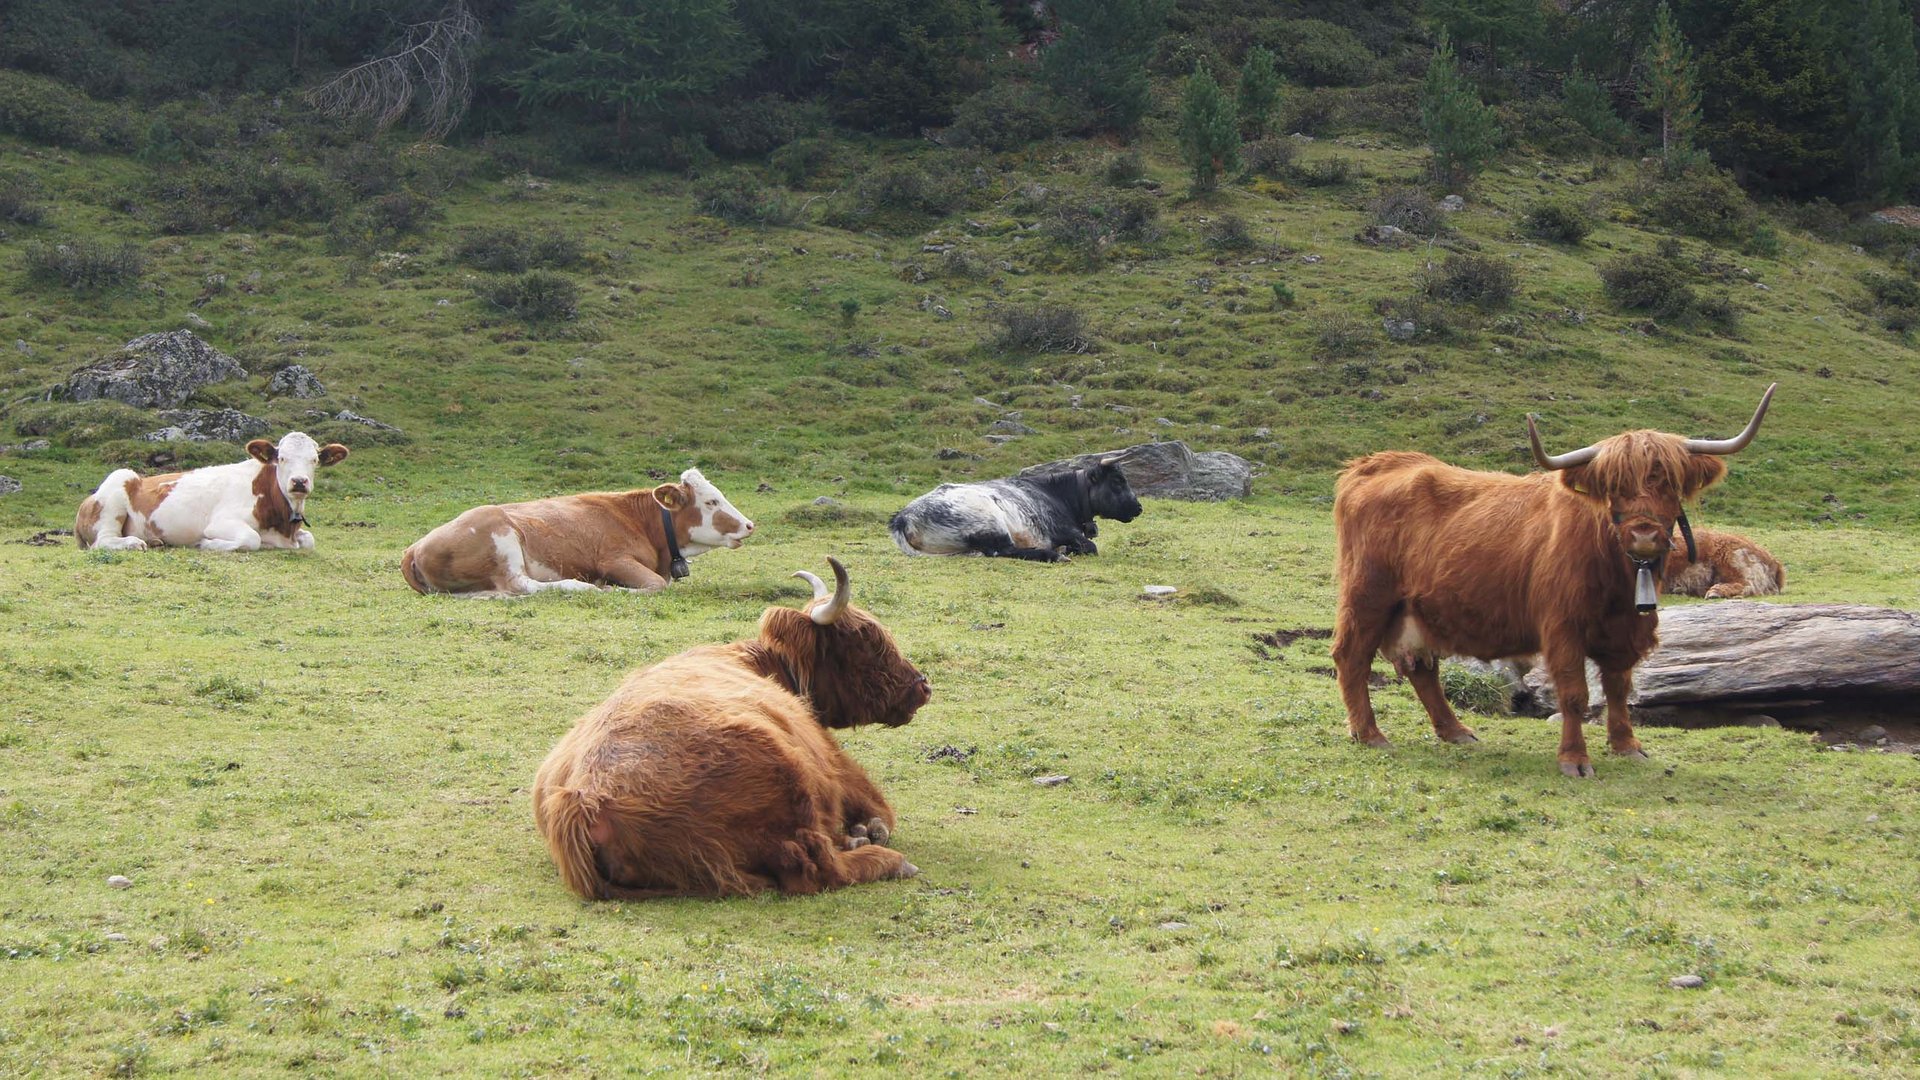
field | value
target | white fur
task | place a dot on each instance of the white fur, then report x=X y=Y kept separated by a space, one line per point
x=980 y=507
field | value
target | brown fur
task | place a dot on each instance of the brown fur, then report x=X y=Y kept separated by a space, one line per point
x=1729 y=567
x=607 y=538
x=144 y=495
x=712 y=773
x=271 y=510
x=1436 y=560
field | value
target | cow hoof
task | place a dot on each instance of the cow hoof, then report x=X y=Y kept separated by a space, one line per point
x=1463 y=737
x=855 y=843
x=856 y=830
x=1377 y=741
x=906 y=871
x=878 y=830
x=1631 y=752
x=1578 y=769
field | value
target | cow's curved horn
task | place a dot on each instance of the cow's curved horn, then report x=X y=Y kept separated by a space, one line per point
x=829 y=613
x=1111 y=459
x=819 y=587
x=1557 y=461
x=1738 y=442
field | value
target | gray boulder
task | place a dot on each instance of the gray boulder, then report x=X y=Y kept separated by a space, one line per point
x=208 y=425
x=155 y=371
x=295 y=380
x=1169 y=470
x=8 y=485
x=348 y=416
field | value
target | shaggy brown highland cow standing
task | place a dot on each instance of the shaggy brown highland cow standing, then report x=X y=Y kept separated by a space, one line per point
x=1440 y=561
x=712 y=773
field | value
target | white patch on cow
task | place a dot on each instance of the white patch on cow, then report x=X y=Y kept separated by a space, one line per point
x=1759 y=575
x=1411 y=646
x=1692 y=581
x=704 y=534
x=521 y=570
x=941 y=521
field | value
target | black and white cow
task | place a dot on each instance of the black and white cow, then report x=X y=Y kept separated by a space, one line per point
x=1020 y=517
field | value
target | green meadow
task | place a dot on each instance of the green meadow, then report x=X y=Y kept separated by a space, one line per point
x=316 y=780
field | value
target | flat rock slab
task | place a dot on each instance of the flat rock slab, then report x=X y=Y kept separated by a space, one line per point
x=1169 y=470
x=155 y=371
x=1746 y=654
x=208 y=425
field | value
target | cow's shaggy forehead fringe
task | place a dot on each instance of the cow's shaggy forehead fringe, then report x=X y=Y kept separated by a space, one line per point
x=852 y=672
x=1644 y=462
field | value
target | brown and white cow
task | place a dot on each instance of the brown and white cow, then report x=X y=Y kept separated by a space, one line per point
x=245 y=506
x=575 y=542
x=712 y=773
x=1437 y=561
x=1727 y=567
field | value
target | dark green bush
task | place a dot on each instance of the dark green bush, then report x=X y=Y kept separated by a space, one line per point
x=1088 y=225
x=1271 y=156
x=537 y=297
x=1124 y=169
x=85 y=265
x=801 y=160
x=1892 y=290
x=1481 y=280
x=1230 y=232
x=903 y=195
x=506 y=250
x=1326 y=172
x=1409 y=208
x=19 y=195
x=753 y=127
x=1704 y=203
x=738 y=195
x=239 y=191
x=1005 y=116
x=49 y=111
x=1558 y=220
x=400 y=212
x=1039 y=329
x=1338 y=336
x=1314 y=52
x=1648 y=283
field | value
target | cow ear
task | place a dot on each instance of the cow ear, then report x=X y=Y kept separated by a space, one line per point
x=263 y=451
x=672 y=496
x=333 y=454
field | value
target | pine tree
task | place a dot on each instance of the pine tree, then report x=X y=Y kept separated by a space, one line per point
x=1259 y=93
x=1883 y=99
x=1590 y=106
x=1460 y=127
x=1209 y=130
x=1101 y=57
x=1668 y=86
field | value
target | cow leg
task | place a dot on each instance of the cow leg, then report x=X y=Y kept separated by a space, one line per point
x=997 y=544
x=229 y=536
x=1424 y=674
x=1359 y=629
x=1078 y=543
x=630 y=573
x=1620 y=738
x=811 y=863
x=1569 y=673
x=867 y=816
x=1727 y=590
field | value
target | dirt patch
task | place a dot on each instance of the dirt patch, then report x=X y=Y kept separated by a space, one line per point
x=1267 y=645
x=1374 y=678
x=49 y=538
x=949 y=753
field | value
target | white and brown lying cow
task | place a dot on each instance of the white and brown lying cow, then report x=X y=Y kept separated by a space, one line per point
x=1728 y=567
x=244 y=506
x=613 y=538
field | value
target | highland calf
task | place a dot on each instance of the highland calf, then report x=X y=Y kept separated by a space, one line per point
x=245 y=506
x=1437 y=561
x=1727 y=567
x=712 y=773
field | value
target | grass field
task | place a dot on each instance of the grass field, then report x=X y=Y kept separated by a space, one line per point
x=316 y=780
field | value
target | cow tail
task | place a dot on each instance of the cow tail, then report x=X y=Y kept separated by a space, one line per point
x=412 y=572
x=566 y=818
x=902 y=535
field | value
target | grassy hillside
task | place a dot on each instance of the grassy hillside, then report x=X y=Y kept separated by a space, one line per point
x=316 y=779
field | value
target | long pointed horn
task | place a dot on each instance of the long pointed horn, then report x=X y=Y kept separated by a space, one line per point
x=1551 y=462
x=819 y=587
x=1738 y=442
x=829 y=613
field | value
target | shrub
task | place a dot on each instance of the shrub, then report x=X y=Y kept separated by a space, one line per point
x=402 y=211
x=1317 y=53
x=1271 y=156
x=1558 y=220
x=1282 y=295
x=1411 y=209
x=751 y=127
x=84 y=265
x=1481 y=280
x=1124 y=169
x=1315 y=112
x=800 y=160
x=1341 y=336
x=1040 y=329
x=49 y=111
x=239 y=191
x=18 y=192
x=536 y=297
x=1089 y=225
x=1647 y=283
x=902 y=195
x=737 y=195
x=512 y=251
x=1703 y=203
x=961 y=264
x=1005 y=116
x=1230 y=232
x=1326 y=172
x=1892 y=291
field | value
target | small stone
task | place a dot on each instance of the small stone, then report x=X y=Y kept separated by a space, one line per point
x=998 y=439
x=764 y=488
x=984 y=403
x=826 y=500
x=22 y=347
x=1399 y=329
x=1342 y=1027
x=1310 y=259
x=1173 y=924
x=116 y=938
x=1453 y=202
x=1163 y=421
x=350 y=417
x=1873 y=733
x=1759 y=720
x=296 y=380
x=1051 y=781
x=120 y=881
x=1843 y=748
x=194 y=320
x=8 y=485
x=1013 y=427
x=1263 y=433
x=1686 y=982
x=1158 y=591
